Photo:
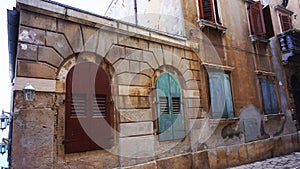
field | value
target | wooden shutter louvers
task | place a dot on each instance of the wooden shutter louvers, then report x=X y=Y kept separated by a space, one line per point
x=257 y=19
x=87 y=119
x=286 y=22
x=206 y=10
x=164 y=105
x=99 y=105
x=78 y=104
x=176 y=104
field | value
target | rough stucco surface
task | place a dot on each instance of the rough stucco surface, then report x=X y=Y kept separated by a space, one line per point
x=33 y=140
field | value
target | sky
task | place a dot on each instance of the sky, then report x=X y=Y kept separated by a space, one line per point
x=94 y=6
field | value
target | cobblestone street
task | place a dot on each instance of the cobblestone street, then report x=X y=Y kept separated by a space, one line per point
x=291 y=161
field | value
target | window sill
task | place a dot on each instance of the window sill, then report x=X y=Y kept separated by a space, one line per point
x=204 y=23
x=218 y=67
x=273 y=116
x=265 y=73
x=257 y=38
x=216 y=122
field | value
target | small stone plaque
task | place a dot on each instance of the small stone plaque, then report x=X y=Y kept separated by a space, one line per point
x=251 y=130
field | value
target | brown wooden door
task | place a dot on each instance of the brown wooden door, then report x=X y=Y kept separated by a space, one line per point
x=88 y=120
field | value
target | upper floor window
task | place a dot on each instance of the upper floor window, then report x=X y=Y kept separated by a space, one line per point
x=285 y=17
x=220 y=95
x=269 y=96
x=260 y=20
x=285 y=22
x=87 y=119
x=209 y=10
x=169 y=108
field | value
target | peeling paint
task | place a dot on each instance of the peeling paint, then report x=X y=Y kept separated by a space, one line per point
x=59 y=44
x=33 y=48
x=24 y=47
x=29 y=36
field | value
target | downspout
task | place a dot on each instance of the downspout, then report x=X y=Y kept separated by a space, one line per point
x=135 y=13
x=13 y=17
x=285 y=3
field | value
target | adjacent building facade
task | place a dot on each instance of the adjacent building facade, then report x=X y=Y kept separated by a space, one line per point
x=154 y=84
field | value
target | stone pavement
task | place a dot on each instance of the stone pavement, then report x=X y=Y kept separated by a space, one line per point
x=291 y=161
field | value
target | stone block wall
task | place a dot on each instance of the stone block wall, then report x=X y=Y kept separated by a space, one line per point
x=50 y=45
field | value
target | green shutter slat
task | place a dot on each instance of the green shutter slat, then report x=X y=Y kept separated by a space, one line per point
x=228 y=101
x=165 y=127
x=217 y=94
x=177 y=117
x=164 y=116
x=175 y=90
x=162 y=85
x=178 y=126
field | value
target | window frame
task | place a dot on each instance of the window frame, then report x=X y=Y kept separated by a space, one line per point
x=284 y=11
x=214 y=10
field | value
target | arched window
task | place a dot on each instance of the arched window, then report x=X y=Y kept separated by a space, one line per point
x=87 y=120
x=169 y=108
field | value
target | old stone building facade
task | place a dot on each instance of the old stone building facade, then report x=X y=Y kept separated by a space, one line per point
x=189 y=84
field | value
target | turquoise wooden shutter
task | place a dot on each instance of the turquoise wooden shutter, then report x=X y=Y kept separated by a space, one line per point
x=228 y=98
x=176 y=108
x=217 y=94
x=163 y=105
x=169 y=108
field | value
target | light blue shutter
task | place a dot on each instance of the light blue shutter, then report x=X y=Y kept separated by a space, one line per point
x=163 y=105
x=176 y=108
x=217 y=94
x=265 y=96
x=228 y=98
x=273 y=97
x=170 y=119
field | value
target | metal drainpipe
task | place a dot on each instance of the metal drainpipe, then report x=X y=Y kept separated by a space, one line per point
x=135 y=12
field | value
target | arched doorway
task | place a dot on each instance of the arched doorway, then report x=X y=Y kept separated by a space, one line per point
x=88 y=116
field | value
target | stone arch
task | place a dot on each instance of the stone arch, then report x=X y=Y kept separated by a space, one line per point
x=172 y=70
x=184 y=62
x=74 y=59
x=62 y=74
